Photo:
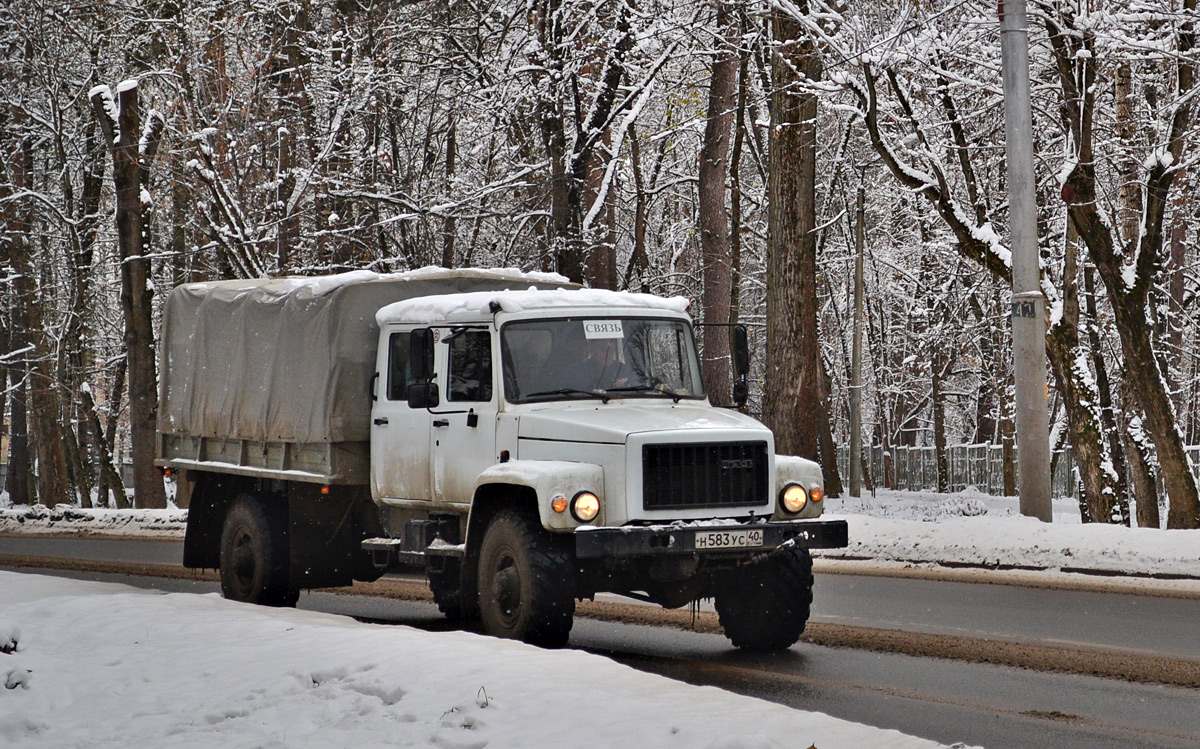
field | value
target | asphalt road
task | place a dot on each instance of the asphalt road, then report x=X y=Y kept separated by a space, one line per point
x=1106 y=622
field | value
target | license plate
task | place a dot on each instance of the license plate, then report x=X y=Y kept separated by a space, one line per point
x=729 y=539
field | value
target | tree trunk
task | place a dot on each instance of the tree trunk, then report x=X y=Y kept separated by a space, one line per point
x=938 y=404
x=828 y=448
x=42 y=405
x=715 y=253
x=1108 y=421
x=792 y=389
x=76 y=349
x=16 y=367
x=129 y=165
x=735 y=192
x=45 y=407
x=639 y=259
x=1008 y=430
x=20 y=464
x=1101 y=486
x=1128 y=281
x=449 y=223
x=1145 y=488
x=573 y=162
x=110 y=477
x=108 y=439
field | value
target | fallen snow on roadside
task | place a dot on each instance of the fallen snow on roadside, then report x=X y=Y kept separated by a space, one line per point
x=975 y=529
x=68 y=519
x=103 y=665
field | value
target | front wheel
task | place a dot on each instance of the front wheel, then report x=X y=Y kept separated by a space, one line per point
x=765 y=606
x=254 y=554
x=526 y=582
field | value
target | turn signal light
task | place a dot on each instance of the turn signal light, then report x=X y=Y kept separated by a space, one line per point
x=559 y=504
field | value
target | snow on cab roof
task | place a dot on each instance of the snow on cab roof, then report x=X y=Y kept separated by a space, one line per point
x=320 y=285
x=431 y=309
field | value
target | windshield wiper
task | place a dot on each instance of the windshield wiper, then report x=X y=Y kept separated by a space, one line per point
x=659 y=388
x=601 y=394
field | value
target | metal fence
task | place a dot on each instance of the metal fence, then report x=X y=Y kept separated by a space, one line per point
x=978 y=466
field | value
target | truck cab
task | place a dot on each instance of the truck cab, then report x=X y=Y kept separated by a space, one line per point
x=575 y=424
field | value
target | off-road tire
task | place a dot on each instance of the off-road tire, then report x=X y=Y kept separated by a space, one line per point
x=765 y=606
x=526 y=581
x=254 y=554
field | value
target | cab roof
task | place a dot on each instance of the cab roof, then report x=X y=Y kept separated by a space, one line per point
x=482 y=304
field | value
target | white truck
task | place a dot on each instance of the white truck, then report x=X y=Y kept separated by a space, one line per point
x=526 y=442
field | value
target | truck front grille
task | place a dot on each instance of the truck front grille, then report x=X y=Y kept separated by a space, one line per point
x=689 y=475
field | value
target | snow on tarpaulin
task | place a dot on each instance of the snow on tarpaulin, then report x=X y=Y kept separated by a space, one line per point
x=289 y=359
x=186 y=670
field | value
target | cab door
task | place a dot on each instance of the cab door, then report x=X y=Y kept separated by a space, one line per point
x=399 y=435
x=463 y=428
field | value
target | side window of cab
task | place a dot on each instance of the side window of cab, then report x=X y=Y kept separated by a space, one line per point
x=399 y=371
x=470 y=366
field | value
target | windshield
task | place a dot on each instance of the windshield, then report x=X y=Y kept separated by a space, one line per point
x=599 y=358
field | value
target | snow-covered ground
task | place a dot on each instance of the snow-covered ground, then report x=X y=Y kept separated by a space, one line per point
x=102 y=665
x=971 y=529
x=66 y=519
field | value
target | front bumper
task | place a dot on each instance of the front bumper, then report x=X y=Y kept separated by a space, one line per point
x=635 y=541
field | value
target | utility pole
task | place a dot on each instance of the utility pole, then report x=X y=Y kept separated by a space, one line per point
x=1028 y=302
x=856 y=351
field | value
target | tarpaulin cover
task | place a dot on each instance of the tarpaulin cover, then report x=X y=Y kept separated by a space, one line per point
x=289 y=359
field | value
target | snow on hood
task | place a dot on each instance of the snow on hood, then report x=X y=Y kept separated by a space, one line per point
x=432 y=309
x=613 y=423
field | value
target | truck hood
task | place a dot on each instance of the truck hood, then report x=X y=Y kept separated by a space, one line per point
x=613 y=423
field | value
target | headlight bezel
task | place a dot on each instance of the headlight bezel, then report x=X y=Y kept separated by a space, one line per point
x=784 y=497
x=589 y=511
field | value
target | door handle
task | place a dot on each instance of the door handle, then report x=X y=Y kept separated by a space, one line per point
x=441 y=422
x=381 y=422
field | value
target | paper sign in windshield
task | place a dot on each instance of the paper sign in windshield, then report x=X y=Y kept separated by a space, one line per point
x=603 y=329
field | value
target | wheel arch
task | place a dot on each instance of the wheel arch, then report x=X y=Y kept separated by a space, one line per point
x=211 y=498
x=489 y=500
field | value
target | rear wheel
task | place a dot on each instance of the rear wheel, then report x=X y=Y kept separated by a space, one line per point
x=254 y=554
x=765 y=606
x=526 y=581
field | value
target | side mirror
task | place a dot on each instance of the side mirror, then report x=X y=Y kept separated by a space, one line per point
x=741 y=365
x=423 y=395
x=420 y=355
x=741 y=352
x=741 y=391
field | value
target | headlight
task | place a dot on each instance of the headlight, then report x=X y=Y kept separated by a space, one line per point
x=793 y=498
x=585 y=507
